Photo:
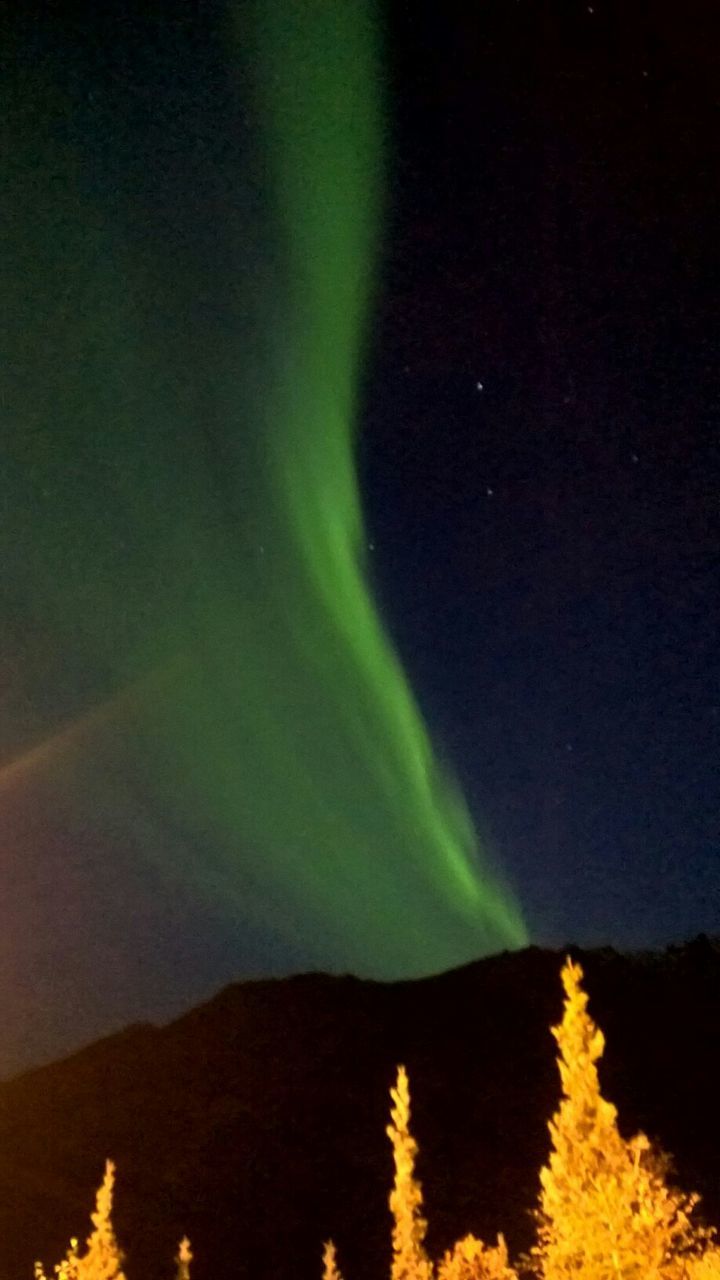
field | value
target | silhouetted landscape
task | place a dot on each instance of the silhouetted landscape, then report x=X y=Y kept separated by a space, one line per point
x=256 y=1122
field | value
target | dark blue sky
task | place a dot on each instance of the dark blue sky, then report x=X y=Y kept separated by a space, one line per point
x=547 y=547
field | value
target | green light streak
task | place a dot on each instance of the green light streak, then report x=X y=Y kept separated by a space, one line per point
x=185 y=514
x=317 y=78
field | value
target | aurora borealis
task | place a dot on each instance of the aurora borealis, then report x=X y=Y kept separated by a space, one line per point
x=358 y=493
x=206 y=678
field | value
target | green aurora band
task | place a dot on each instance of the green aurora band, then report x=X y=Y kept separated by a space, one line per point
x=184 y=543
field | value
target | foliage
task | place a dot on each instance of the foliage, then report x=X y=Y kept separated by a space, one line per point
x=409 y=1259
x=183 y=1260
x=102 y=1259
x=606 y=1210
x=470 y=1259
x=706 y=1266
x=331 y=1270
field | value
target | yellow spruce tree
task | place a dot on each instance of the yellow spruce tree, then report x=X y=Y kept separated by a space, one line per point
x=102 y=1259
x=706 y=1266
x=470 y=1259
x=331 y=1271
x=606 y=1212
x=409 y=1259
x=183 y=1260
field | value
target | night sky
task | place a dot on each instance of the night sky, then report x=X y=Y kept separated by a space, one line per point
x=482 y=241
x=547 y=548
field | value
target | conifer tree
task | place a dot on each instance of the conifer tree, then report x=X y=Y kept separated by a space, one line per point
x=331 y=1270
x=470 y=1259
x=706 y=1266
x=606 y=1212
x=409 y=1259
x=102 y=1259
x=183 y=1260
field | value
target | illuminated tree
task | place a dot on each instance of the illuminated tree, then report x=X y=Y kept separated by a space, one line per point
x=331 y=1270
x=606 y=1211
x=470 y=1259
x=706 y=1266
x=102 y=1259
x=183 y=1260
x=409 y=1259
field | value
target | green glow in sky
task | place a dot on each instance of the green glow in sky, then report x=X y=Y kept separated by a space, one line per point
x=184 y=541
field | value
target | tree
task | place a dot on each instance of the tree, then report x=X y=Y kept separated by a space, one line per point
x=606 y=1211
x=331 y=1270
x=409 y=1259
x=102 y=1259
x=470 y=1259
x=183 y=1260
x=706 y=1266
